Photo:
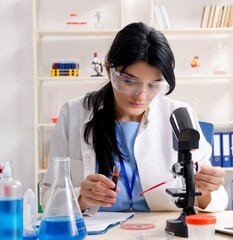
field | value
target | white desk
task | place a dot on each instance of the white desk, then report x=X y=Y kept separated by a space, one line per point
x=159 y=218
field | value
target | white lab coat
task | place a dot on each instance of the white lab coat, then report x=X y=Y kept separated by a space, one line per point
x=153 y=149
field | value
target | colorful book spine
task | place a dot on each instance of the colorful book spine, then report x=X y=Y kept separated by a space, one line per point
x=65 y=68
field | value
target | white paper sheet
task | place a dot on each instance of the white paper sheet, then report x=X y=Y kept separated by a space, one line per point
x=100 y=222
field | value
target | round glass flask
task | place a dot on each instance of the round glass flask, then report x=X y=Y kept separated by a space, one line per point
x=62 y=218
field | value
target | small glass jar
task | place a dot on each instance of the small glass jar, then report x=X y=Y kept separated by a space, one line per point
x=201 y=226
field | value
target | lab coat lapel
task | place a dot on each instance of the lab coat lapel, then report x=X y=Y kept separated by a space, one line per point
x=88 y=153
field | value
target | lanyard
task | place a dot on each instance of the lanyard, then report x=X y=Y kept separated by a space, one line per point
x=127 y=185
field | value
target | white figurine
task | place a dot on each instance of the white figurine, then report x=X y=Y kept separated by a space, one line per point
x=99 y=18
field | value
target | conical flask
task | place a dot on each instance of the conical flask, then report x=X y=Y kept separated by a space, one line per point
x=62 y=218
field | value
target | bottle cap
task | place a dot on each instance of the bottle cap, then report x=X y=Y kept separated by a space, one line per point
x=200 y=219
x=7 y=171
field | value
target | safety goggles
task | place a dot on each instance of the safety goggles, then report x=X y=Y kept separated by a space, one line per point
x=132 y=86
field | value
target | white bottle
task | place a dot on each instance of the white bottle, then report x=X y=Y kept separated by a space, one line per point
x=219 y=68
x=29 y=214
x=11 y=206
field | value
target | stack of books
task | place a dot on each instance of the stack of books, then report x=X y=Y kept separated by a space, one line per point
x=65 y=68
x=162 y=17
x=216 y=16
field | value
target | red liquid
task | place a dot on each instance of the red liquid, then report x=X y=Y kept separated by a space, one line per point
x=115 y=177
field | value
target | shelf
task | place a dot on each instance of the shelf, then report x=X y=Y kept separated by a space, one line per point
x=204 y=76
x=113 y=32
x=72 y=80
x=41 y=79
x=45 y=125
x=181 y=79
x=94 y=33
x=42 y=170
x=204 y=79
x=197 y=31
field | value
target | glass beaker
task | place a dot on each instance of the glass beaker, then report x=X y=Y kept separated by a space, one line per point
x=219 y=67
x=62 y=218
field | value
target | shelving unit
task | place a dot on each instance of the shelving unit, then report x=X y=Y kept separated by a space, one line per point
x=53 y=40
x=210 y=95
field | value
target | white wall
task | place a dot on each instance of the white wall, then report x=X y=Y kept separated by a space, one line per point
x=16 y=90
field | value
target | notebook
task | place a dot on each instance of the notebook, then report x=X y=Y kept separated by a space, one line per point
x=224 y=222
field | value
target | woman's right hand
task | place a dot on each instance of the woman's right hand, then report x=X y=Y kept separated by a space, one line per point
x=96 y=190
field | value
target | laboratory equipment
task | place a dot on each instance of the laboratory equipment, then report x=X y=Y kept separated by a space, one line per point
x=97 y=66
x=185 y=139
x=201 y=226
x=219 y=68
x=62 y=218
x=115 y=176
x=29 y=215
x=99 y=20
x=11 y=206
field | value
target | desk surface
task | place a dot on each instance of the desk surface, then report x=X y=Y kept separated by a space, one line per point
x=159 y=219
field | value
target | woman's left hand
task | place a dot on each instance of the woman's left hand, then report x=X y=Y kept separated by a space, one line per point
x=209 y=179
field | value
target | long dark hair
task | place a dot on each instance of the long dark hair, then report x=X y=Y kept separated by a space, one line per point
x=136 y=42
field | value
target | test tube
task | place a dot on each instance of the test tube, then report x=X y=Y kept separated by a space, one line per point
x=115 y=176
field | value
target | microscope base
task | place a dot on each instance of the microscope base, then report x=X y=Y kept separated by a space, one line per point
x=177 y=226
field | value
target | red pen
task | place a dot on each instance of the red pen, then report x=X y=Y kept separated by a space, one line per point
x=115 y=176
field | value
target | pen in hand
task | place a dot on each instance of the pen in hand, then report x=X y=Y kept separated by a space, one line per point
x=115 y=176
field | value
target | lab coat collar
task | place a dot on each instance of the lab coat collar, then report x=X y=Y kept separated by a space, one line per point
x=90 y=116
x=146 y=116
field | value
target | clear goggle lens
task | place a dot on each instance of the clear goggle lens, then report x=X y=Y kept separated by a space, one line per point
x=131 y=86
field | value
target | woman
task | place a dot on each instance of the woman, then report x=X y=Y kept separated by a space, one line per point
x=126 y=123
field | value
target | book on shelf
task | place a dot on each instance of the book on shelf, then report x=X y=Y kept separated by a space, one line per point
x=217 y=16
x=205 y=16
x=211 y=17
x=220 y=17
x=226 y=20
x=165 y=16
x=162 y=17
x=230 y=21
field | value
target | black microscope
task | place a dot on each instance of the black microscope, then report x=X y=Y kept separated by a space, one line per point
x=185 y=139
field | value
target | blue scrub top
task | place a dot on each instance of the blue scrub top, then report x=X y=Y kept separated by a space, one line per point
x=126 y=133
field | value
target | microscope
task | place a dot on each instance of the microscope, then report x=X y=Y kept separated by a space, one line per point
x=185 y=139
